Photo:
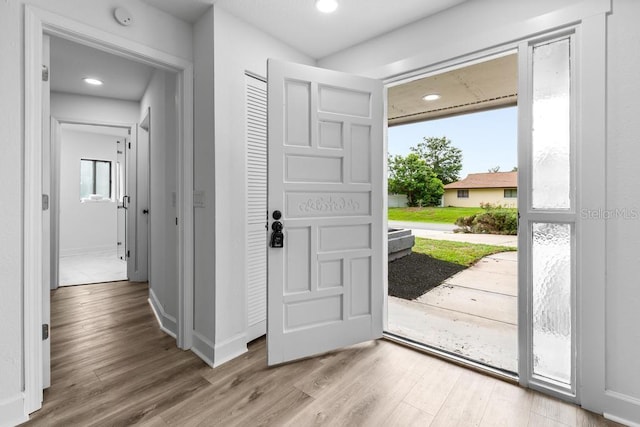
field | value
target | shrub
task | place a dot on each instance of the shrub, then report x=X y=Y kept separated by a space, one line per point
x=495 y=220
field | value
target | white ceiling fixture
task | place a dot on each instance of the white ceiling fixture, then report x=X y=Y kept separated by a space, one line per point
x=327 y=6
x=302 y=27
x=431 y=97
x=92 y=81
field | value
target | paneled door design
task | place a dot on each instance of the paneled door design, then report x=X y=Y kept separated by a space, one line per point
x=325 y=159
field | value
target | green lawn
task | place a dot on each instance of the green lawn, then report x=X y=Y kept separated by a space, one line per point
x=441 y=215
x=460 y=253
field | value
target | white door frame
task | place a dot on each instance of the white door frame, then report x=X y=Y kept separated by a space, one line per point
x=55 y=186
x=588 y=20
x=38 y=22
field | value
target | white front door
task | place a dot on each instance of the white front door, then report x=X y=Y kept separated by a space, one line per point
x=326 y=164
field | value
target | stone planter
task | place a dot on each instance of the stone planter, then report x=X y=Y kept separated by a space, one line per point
x=400 y=243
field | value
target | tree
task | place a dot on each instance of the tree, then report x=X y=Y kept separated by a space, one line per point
x=441 y=156
x=515 y=169
x=494 y=169
x=410 y=175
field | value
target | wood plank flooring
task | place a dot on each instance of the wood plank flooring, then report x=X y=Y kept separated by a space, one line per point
x=112 y=366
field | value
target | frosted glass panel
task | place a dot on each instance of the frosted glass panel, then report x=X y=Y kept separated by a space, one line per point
x=551 y=130
x=551 y=265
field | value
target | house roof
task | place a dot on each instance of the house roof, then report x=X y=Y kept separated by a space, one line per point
x=486 y=180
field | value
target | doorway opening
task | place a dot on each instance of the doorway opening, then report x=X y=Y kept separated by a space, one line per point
x=453 y=188
x=92 y=196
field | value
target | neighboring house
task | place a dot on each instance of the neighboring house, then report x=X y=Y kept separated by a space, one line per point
x=496 y=188
x=214 y=50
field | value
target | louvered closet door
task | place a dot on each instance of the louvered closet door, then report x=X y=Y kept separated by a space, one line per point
x=256 y=93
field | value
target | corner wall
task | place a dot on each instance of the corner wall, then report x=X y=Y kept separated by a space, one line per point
x=220 y=142
x=162 y=152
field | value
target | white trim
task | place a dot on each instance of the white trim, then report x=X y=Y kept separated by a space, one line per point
x=620 y=420
x=12 y=411
x=32 y=238
x=229 y=349
x=167 y=323
x=592 y=135
x=203 y=348
x=37 y=22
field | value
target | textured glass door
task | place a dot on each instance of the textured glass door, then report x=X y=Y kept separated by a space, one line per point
x=547 y=209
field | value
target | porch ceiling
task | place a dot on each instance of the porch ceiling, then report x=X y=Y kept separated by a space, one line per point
x=482 y=86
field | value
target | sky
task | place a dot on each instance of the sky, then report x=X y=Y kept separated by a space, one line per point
x=487 y=139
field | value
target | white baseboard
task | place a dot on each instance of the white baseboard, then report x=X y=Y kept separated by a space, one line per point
x=12 y=411
x=203 y=348
x=93 y=250
x=230 y=349
x=620 y=420
x=167 y=323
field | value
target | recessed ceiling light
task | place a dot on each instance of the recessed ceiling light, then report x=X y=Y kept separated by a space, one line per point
x=92 y=81
x=327 y=6
x=431 y=97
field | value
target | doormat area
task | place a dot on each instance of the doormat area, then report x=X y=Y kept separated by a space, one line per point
x=414 y=275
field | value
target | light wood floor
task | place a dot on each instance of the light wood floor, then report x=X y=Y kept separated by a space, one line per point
x=111 y=365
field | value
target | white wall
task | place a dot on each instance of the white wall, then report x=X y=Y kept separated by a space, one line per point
x=237 y=47
x=89 y=226
x=152 y=28
x=474 y=25
x=623 y=173
x=92 y=109
x=163 y=257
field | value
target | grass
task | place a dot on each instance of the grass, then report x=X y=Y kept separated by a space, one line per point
x=439 y=215
x=460 y=253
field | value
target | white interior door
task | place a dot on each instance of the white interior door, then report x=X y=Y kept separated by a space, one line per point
x=326 y=163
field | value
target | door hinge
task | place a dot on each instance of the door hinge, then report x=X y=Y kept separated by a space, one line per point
x=45 y=202
x=119 y=243
x=45 y=73
x=45 y=331
x=176 y=221
x=128 y=254
x=129 y=146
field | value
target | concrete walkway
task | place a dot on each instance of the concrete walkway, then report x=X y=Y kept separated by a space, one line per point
x=473 y=313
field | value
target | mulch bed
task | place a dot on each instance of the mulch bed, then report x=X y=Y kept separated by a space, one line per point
x=416 y=274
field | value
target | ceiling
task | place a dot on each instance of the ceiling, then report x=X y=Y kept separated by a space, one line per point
x=481 y=86
x=71 y=62
x=477 y=87
x=299 y=24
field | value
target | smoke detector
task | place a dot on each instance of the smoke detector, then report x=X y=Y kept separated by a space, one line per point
x=123 y=16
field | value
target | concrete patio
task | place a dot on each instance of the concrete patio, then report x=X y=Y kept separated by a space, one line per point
x=473 y=313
